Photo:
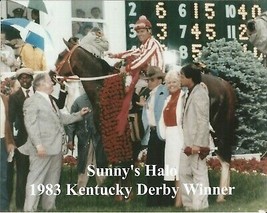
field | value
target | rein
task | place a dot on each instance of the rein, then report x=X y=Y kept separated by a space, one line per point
x=89 y=78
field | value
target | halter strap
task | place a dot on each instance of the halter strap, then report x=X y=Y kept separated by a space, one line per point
x=66 y=58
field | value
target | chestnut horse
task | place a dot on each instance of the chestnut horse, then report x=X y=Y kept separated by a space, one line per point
x=222 y=102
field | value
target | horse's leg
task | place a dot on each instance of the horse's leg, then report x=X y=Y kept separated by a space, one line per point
x=118 y=181
x=128 y=183
x=224 y=179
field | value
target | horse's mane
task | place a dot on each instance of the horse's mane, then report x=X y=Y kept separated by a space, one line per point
x=98 y=63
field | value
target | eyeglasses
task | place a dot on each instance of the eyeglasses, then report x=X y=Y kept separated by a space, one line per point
x=151 y=79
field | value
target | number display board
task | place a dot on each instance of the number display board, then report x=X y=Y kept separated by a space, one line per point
x=187 y=26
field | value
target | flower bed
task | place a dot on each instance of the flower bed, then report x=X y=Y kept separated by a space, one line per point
x=69 y=160
x=242 y=165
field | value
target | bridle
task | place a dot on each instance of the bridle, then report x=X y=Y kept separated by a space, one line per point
x=66 y=59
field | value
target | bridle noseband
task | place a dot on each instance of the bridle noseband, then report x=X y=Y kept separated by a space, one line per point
x=66 y=59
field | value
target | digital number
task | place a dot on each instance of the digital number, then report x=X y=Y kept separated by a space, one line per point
x=195 y=31
x=196 y=50
x=160 y=11
x=210 y=13
x=230 y=11
x=196 y=10
x=257 y=53
x=211 y=34
x=132 y=33
x=132 y=12
x=183 y=28
x=243 y=33
x=47 y=189
x=242 y=11
x=182 y=10
x=231 y=31
x=163 y=27
x=245 y=47
x=183 y=52
x=255 y=11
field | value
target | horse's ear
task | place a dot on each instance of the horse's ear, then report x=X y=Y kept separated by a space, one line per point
x=67 y=43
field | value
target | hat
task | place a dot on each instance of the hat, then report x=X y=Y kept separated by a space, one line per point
x=21 y=71
x=18 y=11
x=153 y=72
x=142 y=23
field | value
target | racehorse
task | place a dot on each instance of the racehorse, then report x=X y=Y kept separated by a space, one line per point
x=222 y=102
x=222 y=119
x=106 y=95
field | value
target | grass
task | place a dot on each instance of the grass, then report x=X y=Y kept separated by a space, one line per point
x=250 y=195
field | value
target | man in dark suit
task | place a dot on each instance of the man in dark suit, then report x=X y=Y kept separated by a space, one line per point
x=90 y=149
x=6 y=148
x=16 y=119
x=44 y=124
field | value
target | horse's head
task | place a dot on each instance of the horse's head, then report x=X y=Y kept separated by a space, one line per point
x=63 y=63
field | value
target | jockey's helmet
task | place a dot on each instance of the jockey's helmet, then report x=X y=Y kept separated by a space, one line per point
x=142 y=23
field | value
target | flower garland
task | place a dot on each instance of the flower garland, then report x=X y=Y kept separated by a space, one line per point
x=118 y=148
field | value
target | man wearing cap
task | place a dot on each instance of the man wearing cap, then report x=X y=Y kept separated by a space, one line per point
x=16 y=118
x=18 y=13
x=150 y=53
x=152 y=109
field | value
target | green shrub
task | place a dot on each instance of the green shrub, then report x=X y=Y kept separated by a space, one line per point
x=248 y=76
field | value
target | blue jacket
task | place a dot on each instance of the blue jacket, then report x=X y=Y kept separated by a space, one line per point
x=160 y=96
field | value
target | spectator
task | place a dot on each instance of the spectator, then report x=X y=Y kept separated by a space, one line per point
x=96 y=13
x=88 y=142
x=18 y=13
x=7 y=146
x=85 y=28
x=7 y=56
x=35 y=16
x=171 y=129
x=76 y=30
x=152 y=109
x=16 y=119
x=44 y=144
x=80 y=13
x=33 y=57
x=193 y=168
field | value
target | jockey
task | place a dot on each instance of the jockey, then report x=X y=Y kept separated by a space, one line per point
x=150 y=52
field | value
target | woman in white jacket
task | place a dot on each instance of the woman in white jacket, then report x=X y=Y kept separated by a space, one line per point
x=170 y=127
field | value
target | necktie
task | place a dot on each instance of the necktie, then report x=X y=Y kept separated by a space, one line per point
x=27 y=93
x=52 y=102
